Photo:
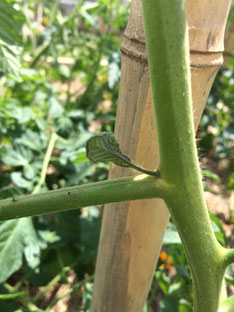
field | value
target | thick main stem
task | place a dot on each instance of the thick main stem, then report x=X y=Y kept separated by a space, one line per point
x=133 y=229
x=170 y=81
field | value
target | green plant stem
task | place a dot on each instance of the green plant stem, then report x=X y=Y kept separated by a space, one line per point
x=229 y=279
x=46 y=161
x=69 y=291
x=97 y=193
x=51 y=284
x=13 y=296
x=229 y=256
x=168 y=56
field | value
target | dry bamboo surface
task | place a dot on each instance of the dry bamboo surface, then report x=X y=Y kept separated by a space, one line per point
x=132 y=232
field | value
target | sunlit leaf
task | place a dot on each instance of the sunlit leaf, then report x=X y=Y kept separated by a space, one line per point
x=11 y=22
x=55 y=108
x=80 y=157
x=18 y=180
x=32 y=140
x=9 y=59
x=104 y=148
x=171 y=235
x=18 y=156
x=14 y=236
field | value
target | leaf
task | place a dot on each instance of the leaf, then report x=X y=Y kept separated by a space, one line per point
x=18 y=180
x=30 y=172
x=87 y=297
x=11 y=248
x=171 y=235
x=32 y=140
x=104 y=148
x=168 y=304
x=19 y=156
x=228 y=133
x=55 y=108
x=14 y=236
x=113 y=69
x=81 y=171
x=11 y=22
x=9 y=191
x=145 y=308
x=211 y=175
x=67 y=226
x=9 y=60
x=175 y=289
x=32 y=244
x=184 y=306
x=90 y=225
x=9 y=305
x=80 y=157
x=218 y=229
x=15 y=110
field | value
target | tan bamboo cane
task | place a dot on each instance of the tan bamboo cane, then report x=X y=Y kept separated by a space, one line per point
x=132 y=232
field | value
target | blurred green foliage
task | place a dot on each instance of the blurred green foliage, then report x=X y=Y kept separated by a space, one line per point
x=61 y=75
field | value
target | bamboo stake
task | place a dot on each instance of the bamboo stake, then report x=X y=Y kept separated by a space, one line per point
x=132 y=232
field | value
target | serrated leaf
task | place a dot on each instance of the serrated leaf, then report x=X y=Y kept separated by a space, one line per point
x=14 y=236
x=11 y=248
x=104 y=148
x=32 y=140
x=11 y=22
x=18 y=180
x=19 y=156
x=14 y=109
x=9 y=191
x=32 y=244
x=9 y=60
x=55 y=108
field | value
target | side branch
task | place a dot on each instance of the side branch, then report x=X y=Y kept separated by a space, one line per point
x=97 y=193
x=229 y=256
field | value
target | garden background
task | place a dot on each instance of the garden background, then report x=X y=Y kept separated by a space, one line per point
x=59 y=80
